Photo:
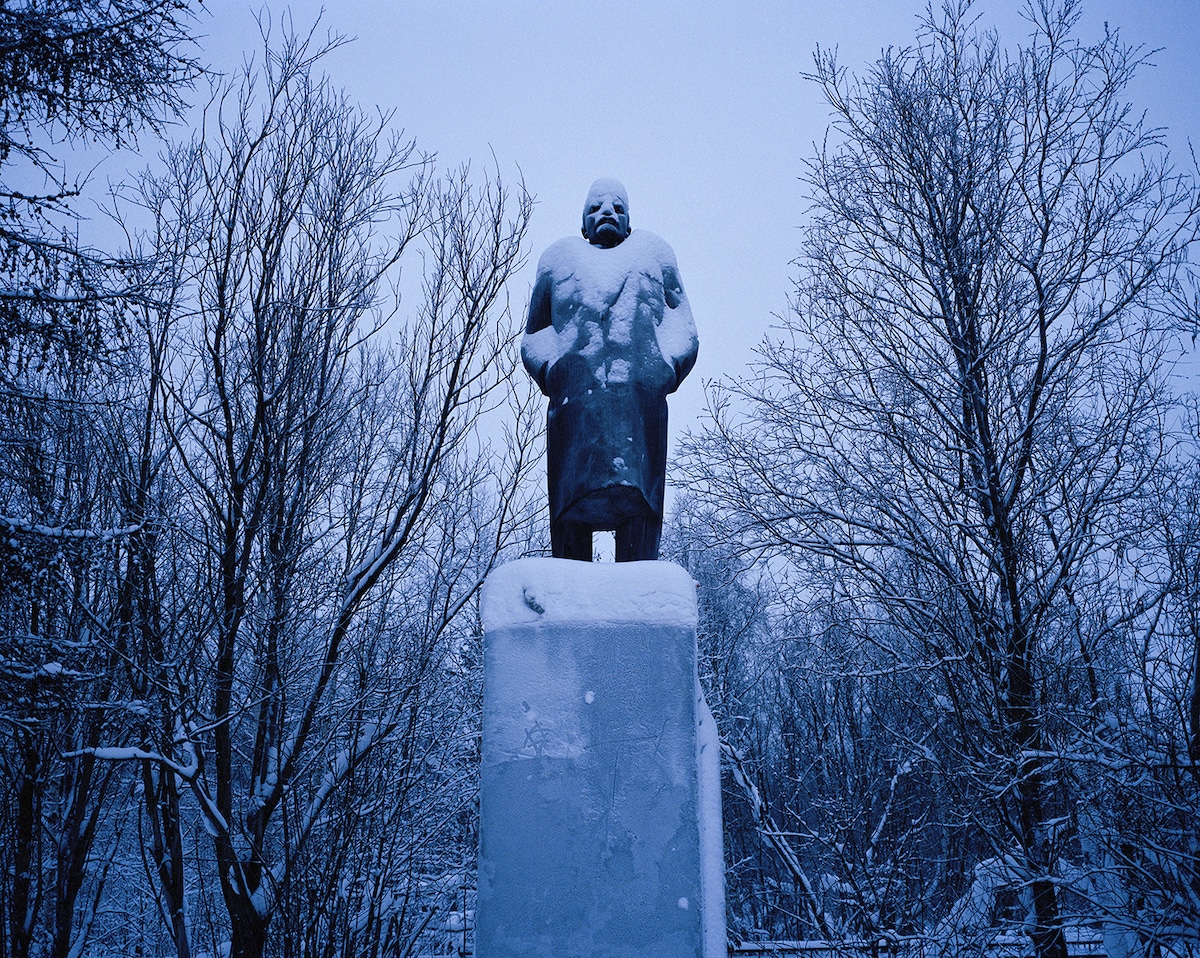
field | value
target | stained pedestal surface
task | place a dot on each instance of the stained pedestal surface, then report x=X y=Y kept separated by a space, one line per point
x=600 y=792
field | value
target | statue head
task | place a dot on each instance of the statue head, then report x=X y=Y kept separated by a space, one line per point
x=606 y=214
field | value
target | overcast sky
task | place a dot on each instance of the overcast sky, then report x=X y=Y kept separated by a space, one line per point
x=698 y=107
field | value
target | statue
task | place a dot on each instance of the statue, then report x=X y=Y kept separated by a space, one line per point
x=609 y=336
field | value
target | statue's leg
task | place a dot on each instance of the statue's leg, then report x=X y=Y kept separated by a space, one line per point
x=638 y=538
x=570 y=540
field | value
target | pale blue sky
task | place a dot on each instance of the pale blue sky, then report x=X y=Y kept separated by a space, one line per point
x=698 y=107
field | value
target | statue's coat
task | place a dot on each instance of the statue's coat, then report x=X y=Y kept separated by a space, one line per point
x=609 y=335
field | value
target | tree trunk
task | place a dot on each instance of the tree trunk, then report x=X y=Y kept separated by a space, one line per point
x=22 y=909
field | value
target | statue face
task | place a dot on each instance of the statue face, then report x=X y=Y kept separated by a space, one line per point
x=606 y=214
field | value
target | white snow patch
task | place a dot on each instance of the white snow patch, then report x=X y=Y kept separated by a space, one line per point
x=595 y=340
x=26 y=525
x=547 y=346
x=546 y=591
x=676 y=334
x=603 y=281
x=607 y=268
x=113 y=753
x=457 y=921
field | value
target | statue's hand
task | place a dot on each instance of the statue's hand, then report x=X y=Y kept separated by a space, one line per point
x=536 y=354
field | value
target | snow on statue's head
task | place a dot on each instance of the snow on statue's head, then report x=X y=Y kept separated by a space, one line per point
x=606 y=213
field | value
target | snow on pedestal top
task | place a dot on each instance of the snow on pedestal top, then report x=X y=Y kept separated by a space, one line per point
x=556 y=591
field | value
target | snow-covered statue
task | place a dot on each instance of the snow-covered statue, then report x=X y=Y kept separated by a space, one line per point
x=609 y=336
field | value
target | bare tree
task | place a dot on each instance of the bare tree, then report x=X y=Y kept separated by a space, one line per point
x=333 y=504
x=959 y=427
x=72 y=72
x=62 y=681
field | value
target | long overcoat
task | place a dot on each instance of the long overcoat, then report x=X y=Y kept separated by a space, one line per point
x=608 y=336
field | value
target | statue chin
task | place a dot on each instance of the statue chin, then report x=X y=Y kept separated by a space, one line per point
x=607 y=236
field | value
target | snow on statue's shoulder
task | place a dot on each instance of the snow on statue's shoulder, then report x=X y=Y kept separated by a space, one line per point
x=562 y=255
x=575 y=256
x=544 y=591
x=651 y=246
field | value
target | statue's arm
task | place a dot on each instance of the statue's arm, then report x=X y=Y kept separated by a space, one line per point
x=539 y=328
x=677 y=339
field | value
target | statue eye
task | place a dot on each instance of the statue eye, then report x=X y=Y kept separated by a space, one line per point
x=594 y=207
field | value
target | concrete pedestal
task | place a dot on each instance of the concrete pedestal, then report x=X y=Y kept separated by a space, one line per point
x=600 y=803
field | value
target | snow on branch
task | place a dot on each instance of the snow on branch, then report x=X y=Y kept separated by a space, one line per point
x=66 y=532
